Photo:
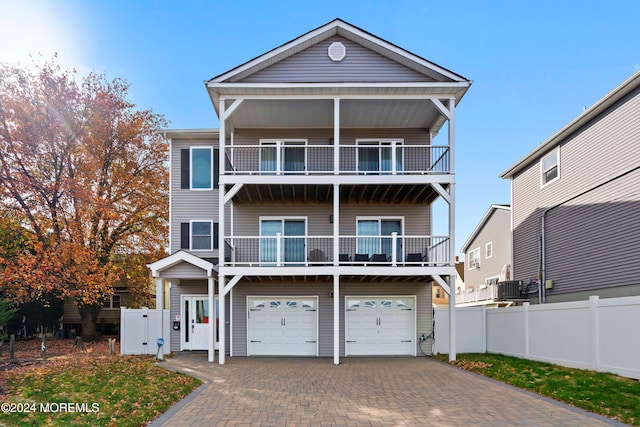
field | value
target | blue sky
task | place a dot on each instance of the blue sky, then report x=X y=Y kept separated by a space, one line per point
x=535 y=65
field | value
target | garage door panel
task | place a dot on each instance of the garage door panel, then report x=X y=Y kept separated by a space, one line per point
x=282 y=326
x=380 y=326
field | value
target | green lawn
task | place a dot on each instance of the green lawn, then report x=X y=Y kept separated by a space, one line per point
x=114 y=391
x=606 y=394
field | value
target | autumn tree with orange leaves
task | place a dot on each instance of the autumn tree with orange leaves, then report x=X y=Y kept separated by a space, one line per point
x=84 y=171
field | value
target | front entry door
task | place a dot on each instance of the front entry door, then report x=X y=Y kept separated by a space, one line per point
x=196 y=315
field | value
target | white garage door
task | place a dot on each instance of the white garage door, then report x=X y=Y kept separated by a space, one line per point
x=282 y=326
x=377 y=326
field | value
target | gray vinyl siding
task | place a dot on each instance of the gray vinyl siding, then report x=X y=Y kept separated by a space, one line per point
x=247 y=217
x=190 y=205
x=318 y=160
x=71 y=314
x=592 y=240
x=325 y=136
x=325 y=307
x=184 y=270
x=497 y=230
x=313 y=65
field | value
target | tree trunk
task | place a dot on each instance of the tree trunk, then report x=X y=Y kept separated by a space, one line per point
x=88 y=318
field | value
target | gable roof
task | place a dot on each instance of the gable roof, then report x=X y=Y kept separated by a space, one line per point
x=481 y=225
x=626 y=87
x=177 y=258
x=350 y=32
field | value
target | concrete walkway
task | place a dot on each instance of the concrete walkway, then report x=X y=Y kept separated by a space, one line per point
x=358 y=392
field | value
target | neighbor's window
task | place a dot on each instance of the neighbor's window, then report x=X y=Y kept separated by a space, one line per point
x=201 y=168
x=489 y=250
x=473 y=259
x=201 y=235
x=550 y=167
x=112 y=301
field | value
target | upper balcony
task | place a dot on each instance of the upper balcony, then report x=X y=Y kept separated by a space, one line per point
x=298 y=158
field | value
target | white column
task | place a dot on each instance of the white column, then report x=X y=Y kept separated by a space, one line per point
x=336 y=136
x=160 y=310
x=336 y=223
x=452 y=234
x=221 y=219
x=222 y=319
x=212 y=319
x=336 y=319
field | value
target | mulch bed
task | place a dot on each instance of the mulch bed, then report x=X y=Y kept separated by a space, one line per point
x=59 y=352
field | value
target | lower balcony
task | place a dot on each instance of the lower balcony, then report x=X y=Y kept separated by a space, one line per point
x=317 y=251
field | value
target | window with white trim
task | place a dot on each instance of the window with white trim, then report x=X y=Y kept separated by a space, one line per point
x=550 y=167
x=488 y=250
x=111 y=302
x=201 y=235
x=473 y=259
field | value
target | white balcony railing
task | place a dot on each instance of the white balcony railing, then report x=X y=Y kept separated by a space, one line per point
x=284 y=251
x=486 y=292
x=285 y=159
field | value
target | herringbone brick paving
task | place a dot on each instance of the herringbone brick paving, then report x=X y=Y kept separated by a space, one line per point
x=358 y=392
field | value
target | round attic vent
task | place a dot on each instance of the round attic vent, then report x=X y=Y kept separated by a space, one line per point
x=337 y=51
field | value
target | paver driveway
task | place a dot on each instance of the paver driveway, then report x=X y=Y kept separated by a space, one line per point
x=360 y=391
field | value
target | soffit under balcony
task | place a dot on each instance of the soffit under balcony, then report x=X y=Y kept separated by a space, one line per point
x=368 y=276
x=374 y=193
x=319 y=113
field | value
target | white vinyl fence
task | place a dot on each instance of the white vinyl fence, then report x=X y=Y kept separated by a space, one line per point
x=140 y=330
x=598 y=334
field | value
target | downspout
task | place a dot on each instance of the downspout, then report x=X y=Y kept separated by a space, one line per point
x=543 y=254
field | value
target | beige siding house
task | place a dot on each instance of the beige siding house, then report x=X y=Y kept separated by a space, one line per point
x=487 y=258
x=302 y=226
x=576 y=203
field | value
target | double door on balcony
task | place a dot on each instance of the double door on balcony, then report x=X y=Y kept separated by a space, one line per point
x=382 y=239
x=284 y=157
x=282 y=241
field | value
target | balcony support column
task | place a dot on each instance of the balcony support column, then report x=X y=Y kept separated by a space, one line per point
x=336 y=136
x=221 y=189
x=452 y=233
x=336 y=224
x=336 y=319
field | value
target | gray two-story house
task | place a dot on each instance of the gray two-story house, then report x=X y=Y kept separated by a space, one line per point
x=487 y=253
x=576 y=203
x=302 y=226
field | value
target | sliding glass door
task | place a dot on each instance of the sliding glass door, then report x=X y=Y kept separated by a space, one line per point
x=284 y=247
x=380 y=242
x=380 y=156
x=286 y=157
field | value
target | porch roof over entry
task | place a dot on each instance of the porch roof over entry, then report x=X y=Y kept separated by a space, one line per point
x=166 y=263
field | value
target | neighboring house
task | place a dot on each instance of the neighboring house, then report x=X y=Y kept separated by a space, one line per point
x=487 y=254
x=108 y=321
x=439 y=295
x=303 y=224
x=576 y=203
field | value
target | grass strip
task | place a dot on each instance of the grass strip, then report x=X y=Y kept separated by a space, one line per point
x=598 y=392
x=115 y=391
